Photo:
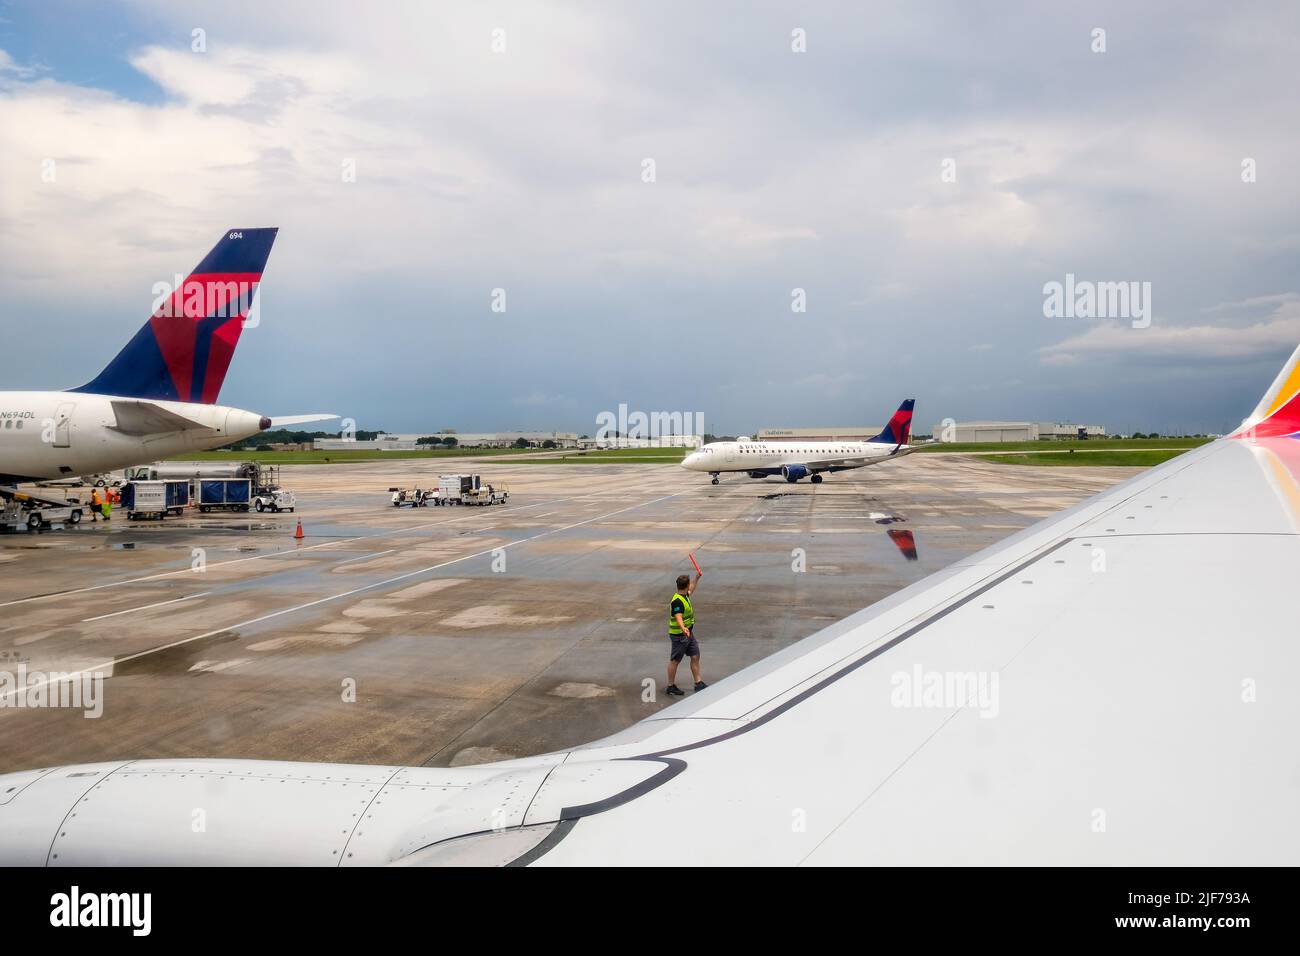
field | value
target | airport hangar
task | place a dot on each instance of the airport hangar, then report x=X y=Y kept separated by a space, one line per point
x=982 y=431
x=822 y=433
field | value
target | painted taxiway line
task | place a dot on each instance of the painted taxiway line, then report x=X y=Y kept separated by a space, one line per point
x=146 y=607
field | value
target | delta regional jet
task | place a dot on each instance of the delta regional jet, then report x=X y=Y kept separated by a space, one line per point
x=158 y=397
x=793 y=460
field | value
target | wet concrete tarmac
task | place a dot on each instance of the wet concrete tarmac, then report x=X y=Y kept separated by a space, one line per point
x=446 y=636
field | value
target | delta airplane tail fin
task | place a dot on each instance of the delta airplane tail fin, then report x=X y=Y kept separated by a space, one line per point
x=899 y=429
x=183 y=351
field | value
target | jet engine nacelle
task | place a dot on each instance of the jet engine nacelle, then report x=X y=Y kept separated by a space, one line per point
x=794 y=472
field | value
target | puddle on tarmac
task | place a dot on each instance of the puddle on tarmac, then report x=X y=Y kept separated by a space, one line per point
x=173 y=660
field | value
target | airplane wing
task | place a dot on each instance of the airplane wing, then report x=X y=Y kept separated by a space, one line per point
x=849 y=462
x=1111 y=686
x=284 y=421
x=149 y=418
x=1095 y=690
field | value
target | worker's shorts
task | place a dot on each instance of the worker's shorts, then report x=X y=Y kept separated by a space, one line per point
x=684 y=646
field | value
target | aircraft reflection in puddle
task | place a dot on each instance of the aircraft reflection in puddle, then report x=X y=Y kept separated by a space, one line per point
x=905 y=541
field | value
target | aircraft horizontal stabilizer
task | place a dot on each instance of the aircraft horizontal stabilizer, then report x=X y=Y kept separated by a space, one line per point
x=286 y=420
x=147 y=418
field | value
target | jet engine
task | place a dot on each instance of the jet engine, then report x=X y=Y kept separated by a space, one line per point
x=794 y=472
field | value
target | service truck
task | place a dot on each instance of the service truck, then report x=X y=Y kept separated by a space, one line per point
x=262 y=484
x=468 y=490
x=161 y=470
x=24 y=511
x=275 y=500
x=155 y=499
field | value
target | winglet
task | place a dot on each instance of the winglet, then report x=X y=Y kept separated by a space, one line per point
x=1278 y=412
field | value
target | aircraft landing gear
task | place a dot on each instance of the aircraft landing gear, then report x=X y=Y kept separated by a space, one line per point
x=816 y=479
x=715 y=478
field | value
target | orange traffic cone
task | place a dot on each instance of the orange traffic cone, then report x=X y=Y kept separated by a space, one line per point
x=298 y=534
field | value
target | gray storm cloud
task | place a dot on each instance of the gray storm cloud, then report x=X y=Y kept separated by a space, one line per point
x=919 y=171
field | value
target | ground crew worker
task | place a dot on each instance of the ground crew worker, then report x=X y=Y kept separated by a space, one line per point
x=108 y=505
x=681 y=631
x=96 y=504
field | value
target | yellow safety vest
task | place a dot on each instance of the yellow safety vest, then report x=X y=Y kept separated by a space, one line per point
x=688 y=613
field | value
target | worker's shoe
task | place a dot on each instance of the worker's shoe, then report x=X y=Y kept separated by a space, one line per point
x=700 y=685
x=674 y=691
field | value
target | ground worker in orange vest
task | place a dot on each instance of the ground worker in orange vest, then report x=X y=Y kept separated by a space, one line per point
x=96 y=504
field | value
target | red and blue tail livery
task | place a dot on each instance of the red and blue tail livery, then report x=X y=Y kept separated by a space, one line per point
x=899 y=429
x=183 y=352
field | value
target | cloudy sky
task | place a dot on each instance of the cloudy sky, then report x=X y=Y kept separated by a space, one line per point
x=919 y=170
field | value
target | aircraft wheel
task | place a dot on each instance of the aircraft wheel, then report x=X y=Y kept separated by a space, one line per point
x=715 y=481
x=816 y=479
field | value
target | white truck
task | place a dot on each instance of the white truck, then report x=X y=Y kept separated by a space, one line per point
x=275 y=500
x=468 y=490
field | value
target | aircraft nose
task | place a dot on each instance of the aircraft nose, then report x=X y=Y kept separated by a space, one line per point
x=691 y=460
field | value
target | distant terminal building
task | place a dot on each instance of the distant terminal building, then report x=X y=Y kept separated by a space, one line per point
x=970 y=432
x=659 y=441
x=1062 y=430
x=823 y=433
x=410 y=442
x=506 y=439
